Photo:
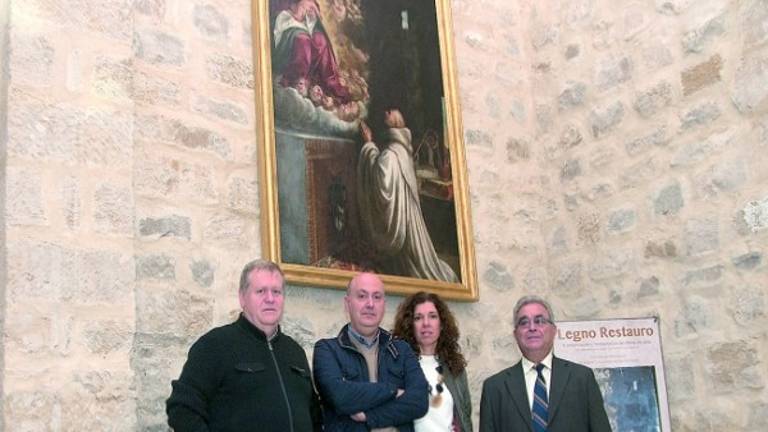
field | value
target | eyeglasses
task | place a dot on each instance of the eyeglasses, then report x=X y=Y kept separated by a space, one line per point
x=538 y=321
x=437 y=399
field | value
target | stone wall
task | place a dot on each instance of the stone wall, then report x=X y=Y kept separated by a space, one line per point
x=4 y=54
x=617 y=165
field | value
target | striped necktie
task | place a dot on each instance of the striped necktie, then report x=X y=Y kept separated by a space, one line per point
x=540 y=402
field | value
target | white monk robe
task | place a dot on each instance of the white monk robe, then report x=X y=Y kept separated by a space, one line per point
x=390 y=210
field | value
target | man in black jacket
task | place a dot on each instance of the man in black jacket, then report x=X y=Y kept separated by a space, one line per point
x=247 y=375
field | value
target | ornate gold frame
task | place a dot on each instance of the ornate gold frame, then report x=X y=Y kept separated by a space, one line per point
x=467 y=289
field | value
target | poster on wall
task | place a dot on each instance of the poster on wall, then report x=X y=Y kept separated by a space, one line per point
x=625 y=355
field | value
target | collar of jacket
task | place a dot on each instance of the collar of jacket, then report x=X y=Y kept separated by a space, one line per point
x=246 y=325
x=385 y=341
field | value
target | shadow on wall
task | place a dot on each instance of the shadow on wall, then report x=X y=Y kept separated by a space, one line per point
x=4 y=78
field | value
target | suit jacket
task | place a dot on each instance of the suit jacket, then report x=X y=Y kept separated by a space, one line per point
x=575 y=402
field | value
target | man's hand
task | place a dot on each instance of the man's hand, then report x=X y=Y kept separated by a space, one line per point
x=358 y=417
x=365 y=132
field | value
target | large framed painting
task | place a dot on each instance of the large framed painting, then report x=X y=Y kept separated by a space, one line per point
x=361 y=154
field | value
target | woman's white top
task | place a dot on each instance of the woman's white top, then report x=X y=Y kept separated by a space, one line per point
x=438 y=418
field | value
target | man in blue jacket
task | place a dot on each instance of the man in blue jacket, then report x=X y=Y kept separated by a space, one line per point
x=367 y=380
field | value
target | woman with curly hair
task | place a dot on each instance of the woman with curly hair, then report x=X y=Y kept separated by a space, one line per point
x=425 y=322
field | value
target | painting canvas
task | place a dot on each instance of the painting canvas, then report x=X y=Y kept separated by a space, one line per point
x=361 y=151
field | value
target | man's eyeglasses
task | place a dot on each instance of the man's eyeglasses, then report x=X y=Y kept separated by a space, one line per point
x=538 y=321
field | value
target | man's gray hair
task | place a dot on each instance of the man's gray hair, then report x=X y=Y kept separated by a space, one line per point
x=258 y=265
x=526 y=300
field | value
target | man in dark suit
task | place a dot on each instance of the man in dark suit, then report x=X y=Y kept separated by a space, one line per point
x=541 y=393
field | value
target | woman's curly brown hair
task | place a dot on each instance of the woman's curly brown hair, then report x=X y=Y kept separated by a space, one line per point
x=447 y=349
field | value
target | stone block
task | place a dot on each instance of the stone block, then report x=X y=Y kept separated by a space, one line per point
x=748 y=306
x=698 y=150
x=639 y=174
x=160 y=128
x=158 y=48
x=230 y=71
x=672 y=6
x=499 y=278
x=668 y=200
x=728 y=175
x=758 y=416
x=747 y=261
x=657 y=138
x=657 y=54
x=151 y=8
x=69 y=190
x=243 y=194
x=301 y=330
x=478 y=138
x=203 y=272
x=566 y=278
x=170 y=226
x=701 y=236
x=229 y=229
x=681 y=384
x=693 y=318
x=700 y=115
x=544 y=118
x=749 y=91
x=24 y=198
x=599 y=192
x=558 y=242
x=756 y=215
x=154 y=90
x=105 y=337
x=492 y=105
x=605 y=118
x=113 y=78
x=32 y=60
x=609 y=265
x=571 y=137
x=210 y=22
x=518 y=150
x=588 y=228
x=698 y=38
x=666 y=250
x=222 y=110
x=39 y=270
x=754 y=23
x=572 y=51
x=570 y=170
x=612 y=71
x=648 y=287
x=572 y=96
x=103 y=276
x=100 y=400
x=518 y=111
x=703 y=276
x=649 y=102
x=196 y=183
x=733 y=367
x=543 y=35
x=702 y=75
x=30 y=411
x=171 y=311
x=30 y=334
x=535 y=280
x=156 y=178
x=69 y=133
x=621 y=220
x=157 y=267
x=113 y=209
